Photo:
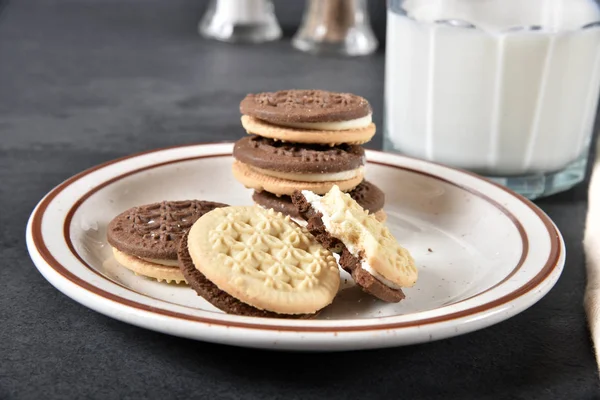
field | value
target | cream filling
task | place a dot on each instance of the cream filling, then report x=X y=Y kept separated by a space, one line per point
x=166 y=263
x=365 y=265
x=357 y=123
x=315 y=203
x=334 y=176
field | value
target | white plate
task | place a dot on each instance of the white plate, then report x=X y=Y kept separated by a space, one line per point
x=484 y=253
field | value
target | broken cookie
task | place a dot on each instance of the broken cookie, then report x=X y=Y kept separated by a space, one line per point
x=368 y=250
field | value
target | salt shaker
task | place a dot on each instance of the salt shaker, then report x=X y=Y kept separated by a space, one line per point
x=240 y=21
x=339 y=27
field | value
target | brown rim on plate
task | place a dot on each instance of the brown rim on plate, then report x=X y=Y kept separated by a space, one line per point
x=36 y=232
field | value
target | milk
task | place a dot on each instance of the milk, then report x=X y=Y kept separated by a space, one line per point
x=494 y=98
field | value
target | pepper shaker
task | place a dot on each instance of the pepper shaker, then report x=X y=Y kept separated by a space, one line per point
x=240 y=21
x=339 y=27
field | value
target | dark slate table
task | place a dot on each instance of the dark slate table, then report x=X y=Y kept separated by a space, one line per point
x=83 y=82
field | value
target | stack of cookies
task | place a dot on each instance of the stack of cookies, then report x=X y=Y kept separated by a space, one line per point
x=304 y=160
x=305 y=140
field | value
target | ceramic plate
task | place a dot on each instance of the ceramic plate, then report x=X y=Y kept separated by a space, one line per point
x=484 y=253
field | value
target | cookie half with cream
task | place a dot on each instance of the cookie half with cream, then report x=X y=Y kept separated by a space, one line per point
x=145 y=239
x=308 y=116
x=249 y=261
x=368 y=250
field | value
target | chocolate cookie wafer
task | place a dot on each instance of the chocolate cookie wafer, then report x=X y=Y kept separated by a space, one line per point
x=368 y=250
x=308 y=116
x=145 y=238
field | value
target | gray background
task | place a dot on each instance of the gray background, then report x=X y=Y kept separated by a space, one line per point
x=83 y=82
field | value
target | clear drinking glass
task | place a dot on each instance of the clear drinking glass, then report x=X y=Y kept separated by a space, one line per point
x=504 y=88
x=240 y=21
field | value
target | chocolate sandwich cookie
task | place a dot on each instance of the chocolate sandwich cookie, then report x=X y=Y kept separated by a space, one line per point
x=296 y=165
x=298 y=158
x=368 y=250
x=246 y=260
x=145 y=238
x=308 y=116
x=367 y=195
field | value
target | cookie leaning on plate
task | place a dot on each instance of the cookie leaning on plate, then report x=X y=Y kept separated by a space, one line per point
x=368 y=250
x=145 y=238
x=246 y=260
x=308 y=116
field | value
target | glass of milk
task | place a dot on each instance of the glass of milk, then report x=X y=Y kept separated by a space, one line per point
x=504 y=88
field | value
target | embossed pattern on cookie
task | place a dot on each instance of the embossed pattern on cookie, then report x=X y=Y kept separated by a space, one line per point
x=154 y=230
x=264 y=259
x=305 y=106
x=145 y=238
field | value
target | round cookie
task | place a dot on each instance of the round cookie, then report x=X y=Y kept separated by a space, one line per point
x=255 y=179
x=367 y=248
x=145 y=238
x=305 y=106
x=298 y=158
x=246 y=260
x=367 y=195
x=357 y=135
